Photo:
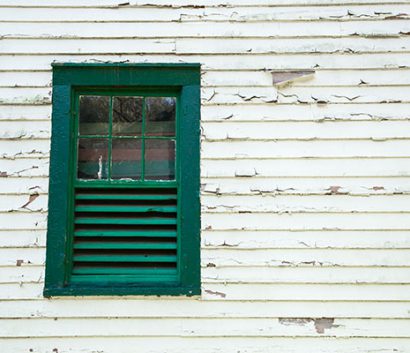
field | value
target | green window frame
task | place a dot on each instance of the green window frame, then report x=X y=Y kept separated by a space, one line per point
x=72 y=80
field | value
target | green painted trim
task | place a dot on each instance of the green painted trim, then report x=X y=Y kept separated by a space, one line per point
x=72 y=79
x=58 y=203
x=107 y=289
x=189 y=179
x=123 y=74
x=125 y=64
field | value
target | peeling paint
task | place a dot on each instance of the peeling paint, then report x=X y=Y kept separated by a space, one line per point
x=335 y=190
x=31 y=199
x=219 y=294
x=323 y=324
x=246 y=172
x=346 y=97
x=282 y=77
x=320 y=324
x=294 y=321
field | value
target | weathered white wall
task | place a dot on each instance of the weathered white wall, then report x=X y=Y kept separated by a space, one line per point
x=305 y=241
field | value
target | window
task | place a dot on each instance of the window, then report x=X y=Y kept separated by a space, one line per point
x=124 y=214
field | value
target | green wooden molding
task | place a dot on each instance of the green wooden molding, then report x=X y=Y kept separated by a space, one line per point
x=126 y=74
x=71 y=79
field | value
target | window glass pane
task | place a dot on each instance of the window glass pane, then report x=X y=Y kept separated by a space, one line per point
x=92 y=158
x=160 y=116
x=159 y=159
x=94 y=115
x=127 y=116
x=126 y=159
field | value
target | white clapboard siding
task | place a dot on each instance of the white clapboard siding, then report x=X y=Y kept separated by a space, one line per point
x=305 y=112
x=381 y=275
x=305 y=183
x=203 y=29
x=168 y=307
x=19 y=95
x=21 y=185
x=22 y=274
x=282 y=149
x=26 y=221
x=273 y=292
x=206 y=345
x=188 y=3
x=24 y=239
x=22 y=46
x=354 y=167
x=204 y=46
x=222 y=61
x=326 y=78
x=314 y=292
x=289 y=220
x=23 y=203
x=229 y=13
x=232 y=327
x=279 y=204
x=327 y=239
x=25 y=112
x=24 y=148
x=25 y=78
x=297 y=257
x=306 y=186
x=24 y=167
x=281 y=46
x=322 y=95
x=305 y=130
x=33 y=256
x=209 y=345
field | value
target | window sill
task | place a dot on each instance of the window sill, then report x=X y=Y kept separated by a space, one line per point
x=130 y=290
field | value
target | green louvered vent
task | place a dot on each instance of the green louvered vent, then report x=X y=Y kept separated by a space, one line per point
x=125 y=232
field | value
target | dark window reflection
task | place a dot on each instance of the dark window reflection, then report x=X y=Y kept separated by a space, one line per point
x=92 y=158
x=94 y=115
x=160 y=116
x=126 y=159
x=127 y=116
x=159 y=159
x=125 y=144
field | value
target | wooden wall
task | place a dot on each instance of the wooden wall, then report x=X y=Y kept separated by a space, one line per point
x=305 y=183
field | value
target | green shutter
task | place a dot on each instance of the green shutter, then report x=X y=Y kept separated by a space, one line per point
x=117 y=235
x=130 y=231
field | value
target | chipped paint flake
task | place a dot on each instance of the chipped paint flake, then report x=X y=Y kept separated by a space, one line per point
x=283 y=77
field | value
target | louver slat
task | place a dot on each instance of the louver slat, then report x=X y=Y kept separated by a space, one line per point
x=125 y=232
